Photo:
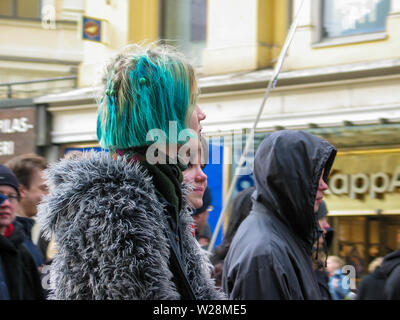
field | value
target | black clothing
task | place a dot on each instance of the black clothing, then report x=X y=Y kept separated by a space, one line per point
x=241 y=207
x=323 y=283
x=391 y=268
x=27 y=224
x=19 y=268
x=43 y=244
x=167 y=179
x=270 y=255
x=372 y=286
x=3 y=285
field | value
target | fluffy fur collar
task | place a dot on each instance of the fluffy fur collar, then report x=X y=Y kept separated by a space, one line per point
x=107 y=223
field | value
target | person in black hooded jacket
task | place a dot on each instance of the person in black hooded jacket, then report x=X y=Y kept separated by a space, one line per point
x=270 y=255
x=373 y=284
x=391 y=268
x=241 y=207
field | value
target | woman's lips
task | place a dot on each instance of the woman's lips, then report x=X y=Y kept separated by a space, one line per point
x=199 y=189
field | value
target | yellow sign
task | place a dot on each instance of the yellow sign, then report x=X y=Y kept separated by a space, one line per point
x=365 y=182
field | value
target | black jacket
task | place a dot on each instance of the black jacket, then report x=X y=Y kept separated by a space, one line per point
x=241 y=207
x=372 y=286
x=391 y=268
x=19 y=269
x=270 y=255
x=28 y=224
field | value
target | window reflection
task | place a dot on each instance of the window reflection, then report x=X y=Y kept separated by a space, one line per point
x=350 y=17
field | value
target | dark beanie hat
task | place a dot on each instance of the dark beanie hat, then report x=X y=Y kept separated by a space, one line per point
x=7 y=177
x=207 y=201
x=322 y=210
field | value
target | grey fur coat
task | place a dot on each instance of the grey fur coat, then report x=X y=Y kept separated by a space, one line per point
x=109 y=229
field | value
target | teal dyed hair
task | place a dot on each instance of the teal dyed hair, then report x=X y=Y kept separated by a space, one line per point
x=145 y=89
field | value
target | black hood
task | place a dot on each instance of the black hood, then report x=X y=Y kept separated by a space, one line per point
x=241 y=207
x=287 y=168
x=391 y=261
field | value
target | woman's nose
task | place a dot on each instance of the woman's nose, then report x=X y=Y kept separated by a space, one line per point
x=201 y=115
x=201 y=176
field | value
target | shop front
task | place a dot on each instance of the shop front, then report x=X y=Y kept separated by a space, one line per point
x=364 y=205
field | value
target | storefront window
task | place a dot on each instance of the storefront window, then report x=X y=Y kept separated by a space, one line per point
x=184 y=24
x=20 y=8
x=363 y=239
x=350 y=17
x=351 y=235
x=5 y=8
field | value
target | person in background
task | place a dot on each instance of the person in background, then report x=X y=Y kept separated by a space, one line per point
x=195 y=177
x=270 y=255
x=241 y=207
x=391 y=269
x=28 y=169
x=339 y=284
x=19 y=276
x=372 y=285
x=200 y=217
x=121 y=219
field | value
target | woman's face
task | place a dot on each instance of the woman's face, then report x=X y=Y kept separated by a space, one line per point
x=195 y=118
x=195 y=176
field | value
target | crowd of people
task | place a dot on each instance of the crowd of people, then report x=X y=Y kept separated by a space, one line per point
x=131 y=223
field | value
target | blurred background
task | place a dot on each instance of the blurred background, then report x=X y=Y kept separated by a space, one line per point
x=340 y=81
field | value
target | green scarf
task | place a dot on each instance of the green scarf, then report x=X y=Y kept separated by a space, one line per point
x=167 y=180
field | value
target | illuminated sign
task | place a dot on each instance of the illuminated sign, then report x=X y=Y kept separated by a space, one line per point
x=362 y=183
x=365 y=181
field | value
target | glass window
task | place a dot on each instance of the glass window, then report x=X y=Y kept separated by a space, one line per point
x=350 y=17
x=184 y=26
x=5 y=8
x=28 y=9
x=20 y=8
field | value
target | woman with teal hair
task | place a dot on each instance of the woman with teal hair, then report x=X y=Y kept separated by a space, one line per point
x=145 y=91
x=121 y=219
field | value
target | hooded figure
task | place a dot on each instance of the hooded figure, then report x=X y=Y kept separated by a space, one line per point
x=391 y=268
x=270 y=255
x=241 y=207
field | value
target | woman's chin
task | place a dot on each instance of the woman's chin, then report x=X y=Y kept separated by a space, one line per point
x=197 y=203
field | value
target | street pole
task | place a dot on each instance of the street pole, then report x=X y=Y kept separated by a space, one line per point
x=271 y=85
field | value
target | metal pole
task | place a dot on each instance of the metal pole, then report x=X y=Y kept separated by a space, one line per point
x=271 y=85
